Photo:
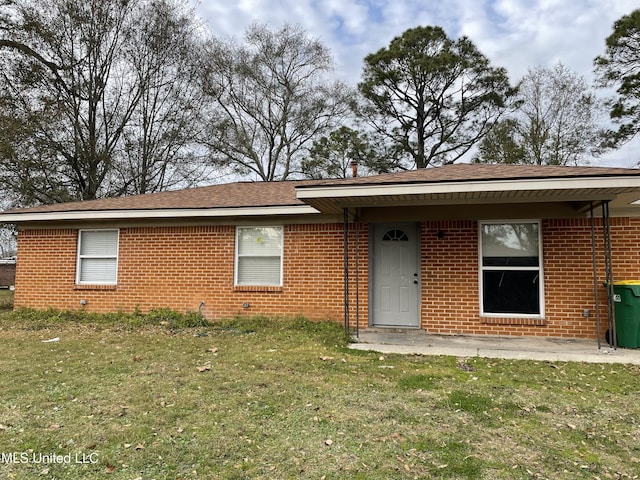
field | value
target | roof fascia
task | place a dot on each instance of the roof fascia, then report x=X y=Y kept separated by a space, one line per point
x=157 y=213
x=475 y=186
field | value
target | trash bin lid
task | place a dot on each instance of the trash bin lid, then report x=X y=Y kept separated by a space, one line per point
x=632 y=286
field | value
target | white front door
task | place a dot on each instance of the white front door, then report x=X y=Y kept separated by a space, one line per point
x=396 y=275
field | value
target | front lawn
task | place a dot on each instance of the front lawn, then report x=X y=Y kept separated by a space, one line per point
x=284 y=399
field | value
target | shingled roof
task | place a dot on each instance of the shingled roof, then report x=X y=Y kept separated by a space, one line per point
x=228 y=195
x=480 y=172
x=249 y=195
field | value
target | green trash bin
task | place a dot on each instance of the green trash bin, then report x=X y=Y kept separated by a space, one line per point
x=626 y=299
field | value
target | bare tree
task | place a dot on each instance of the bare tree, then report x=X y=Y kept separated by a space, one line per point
x=272 y=99
x=555 y=122
x=8 y=243
x=90 y=95
x=84 y=91
x=162 y=141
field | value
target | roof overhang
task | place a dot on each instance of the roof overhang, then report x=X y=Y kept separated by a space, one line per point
x=175 y=213
x=334 y=198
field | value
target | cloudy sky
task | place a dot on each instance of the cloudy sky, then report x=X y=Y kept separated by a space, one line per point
x=515 y=34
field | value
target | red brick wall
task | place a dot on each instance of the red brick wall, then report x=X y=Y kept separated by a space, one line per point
x=450 y=277
x=45 y=269
x=450 y=289
x=178 y=267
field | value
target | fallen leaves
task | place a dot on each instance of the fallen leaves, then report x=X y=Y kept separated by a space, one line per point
x=302 y=392
x=462 y=364
x=207 y=366
x=139 y=446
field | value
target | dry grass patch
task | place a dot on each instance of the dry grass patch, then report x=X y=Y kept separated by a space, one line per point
x=284 y=398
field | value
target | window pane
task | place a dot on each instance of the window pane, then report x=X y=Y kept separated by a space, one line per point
x=260 y=241
x=508 y=291
x=514 y=244
x=510 y=261
x=259 y=271
x=98 y=270
x=395 y=236
x=99 y=243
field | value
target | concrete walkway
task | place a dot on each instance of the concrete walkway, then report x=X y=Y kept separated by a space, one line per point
x=520 y=348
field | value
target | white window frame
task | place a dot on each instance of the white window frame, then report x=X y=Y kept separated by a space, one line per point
x=237 y=256
x=539 y=268
x=82 y=257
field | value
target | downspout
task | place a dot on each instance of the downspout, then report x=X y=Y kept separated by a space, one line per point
x=611 y=313
x=346 y=270
x=357 y=222
x=595 y=276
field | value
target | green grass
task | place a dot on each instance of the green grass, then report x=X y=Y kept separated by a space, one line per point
x=167 y=396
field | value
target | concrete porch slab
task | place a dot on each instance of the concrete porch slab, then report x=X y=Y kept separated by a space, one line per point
x=418 y=342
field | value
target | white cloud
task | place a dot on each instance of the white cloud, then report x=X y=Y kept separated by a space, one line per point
x=512 y=33
x=515 y=34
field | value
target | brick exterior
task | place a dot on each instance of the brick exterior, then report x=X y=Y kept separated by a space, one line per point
x=450 y=269
x=179 y=267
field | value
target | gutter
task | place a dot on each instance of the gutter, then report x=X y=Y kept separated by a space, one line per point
x=158 y=214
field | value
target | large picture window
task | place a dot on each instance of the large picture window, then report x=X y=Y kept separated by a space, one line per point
x=510 y=269
x=97 y=257
x=258 y=256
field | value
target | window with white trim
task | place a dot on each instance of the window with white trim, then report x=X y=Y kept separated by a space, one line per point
x=511 y=277
x=97 y=257
x=259 y=256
